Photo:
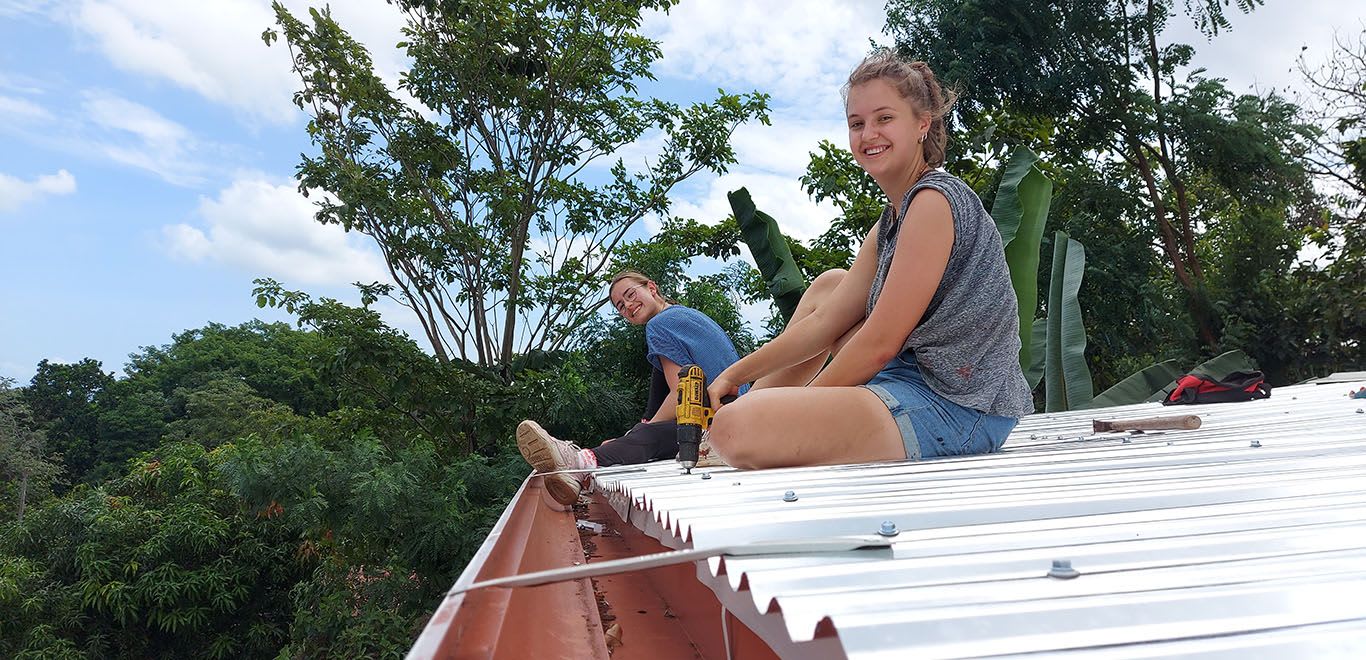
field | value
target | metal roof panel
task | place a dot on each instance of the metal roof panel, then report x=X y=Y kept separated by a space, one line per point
x=1246 y=535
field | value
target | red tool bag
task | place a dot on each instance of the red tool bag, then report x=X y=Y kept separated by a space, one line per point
x=1237 y=386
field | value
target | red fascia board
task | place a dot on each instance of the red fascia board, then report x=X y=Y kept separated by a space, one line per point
x=550 y=621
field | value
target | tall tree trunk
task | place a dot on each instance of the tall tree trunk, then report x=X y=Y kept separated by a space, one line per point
x=1173 y=247
x=1179 y=246
x=519 y=239
x=1183 y=210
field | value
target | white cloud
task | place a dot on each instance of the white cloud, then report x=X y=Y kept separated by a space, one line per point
x=104 y=125
x=19 y=110
x=800 y=51
x=785 y=147
x=133 y=134
x=20 y=374
x=16 y=192
x=267 y=229
x=214 y=48
x=770 y=163
x=778 y=196
x=22 y=7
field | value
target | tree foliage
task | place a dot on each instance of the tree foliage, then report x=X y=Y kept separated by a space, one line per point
x=1340 y=112
x=27 y=470
x=264 y=490
x=273 y=359
x=240 y=527
x=1194 y=202
x=832 y=175
x=62 y=398
x=161 y=562
x=474 y=178
x=1101 y=81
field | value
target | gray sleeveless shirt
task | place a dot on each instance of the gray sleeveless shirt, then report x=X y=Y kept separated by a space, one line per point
x=967 y=344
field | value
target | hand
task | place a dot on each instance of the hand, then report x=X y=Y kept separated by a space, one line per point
x=722 y=391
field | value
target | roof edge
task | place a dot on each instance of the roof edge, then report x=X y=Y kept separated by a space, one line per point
x=534 y=533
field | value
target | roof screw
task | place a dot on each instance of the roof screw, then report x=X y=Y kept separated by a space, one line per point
x=1360 y=411
x=888 y=528
x=1256 y=443
x=1062 y=569
x=736 y=484
x=790 y=496
x=1169 y=443
x=706 y=475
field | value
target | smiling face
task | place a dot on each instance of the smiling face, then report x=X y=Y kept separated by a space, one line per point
x=884 y=133
x=637 y=301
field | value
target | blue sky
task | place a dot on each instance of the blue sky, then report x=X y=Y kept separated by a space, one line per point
x=147 y=148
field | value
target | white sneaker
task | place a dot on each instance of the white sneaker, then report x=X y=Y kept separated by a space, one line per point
x=546 y=453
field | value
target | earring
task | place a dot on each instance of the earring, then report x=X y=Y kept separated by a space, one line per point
x=922 y=137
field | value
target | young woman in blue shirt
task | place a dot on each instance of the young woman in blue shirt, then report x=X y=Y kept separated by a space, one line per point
x=675 y=335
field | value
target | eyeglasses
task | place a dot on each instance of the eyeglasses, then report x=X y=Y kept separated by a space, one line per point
x=628 y=295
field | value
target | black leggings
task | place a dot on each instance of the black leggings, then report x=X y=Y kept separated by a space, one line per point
x=645 y=442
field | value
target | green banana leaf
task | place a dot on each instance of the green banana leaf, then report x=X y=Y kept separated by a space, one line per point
x=1068 y=379
x=771 y=253
x=1020 y=212
x=1139 y=386
x=1217 y=367
x=1038 y=349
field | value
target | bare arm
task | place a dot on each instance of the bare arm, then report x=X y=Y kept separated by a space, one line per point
x=922 y=253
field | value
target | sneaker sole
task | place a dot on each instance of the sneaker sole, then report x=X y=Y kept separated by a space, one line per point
x=564 y=488
x=534 y=444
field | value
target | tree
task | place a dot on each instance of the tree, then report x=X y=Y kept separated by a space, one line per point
x=276 y=361
x=476 y=186
x=163 y=561
x=223 y=411
x=26 y=467
x=833 y=175
x=1096 y=77
x=1340 y=108
x=1133 y=308
x=132 y=418
x=1334 y=293
x=62 y=398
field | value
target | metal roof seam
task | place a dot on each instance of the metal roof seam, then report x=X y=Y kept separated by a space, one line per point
x=1187 y=540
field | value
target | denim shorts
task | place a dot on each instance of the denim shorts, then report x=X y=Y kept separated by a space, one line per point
x=931 y=425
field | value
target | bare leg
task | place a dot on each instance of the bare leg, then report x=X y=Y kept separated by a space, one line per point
x=787 y=426
x=800 y=374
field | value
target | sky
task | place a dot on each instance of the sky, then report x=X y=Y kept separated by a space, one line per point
x=147 y=148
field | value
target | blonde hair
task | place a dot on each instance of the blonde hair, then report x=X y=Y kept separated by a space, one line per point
x=916 y=83
x=639 y=278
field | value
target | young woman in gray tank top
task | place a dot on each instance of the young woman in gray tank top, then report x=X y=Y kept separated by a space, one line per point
x=923 y=328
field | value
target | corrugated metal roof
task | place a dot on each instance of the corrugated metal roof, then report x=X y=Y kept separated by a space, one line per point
x=1187 y=542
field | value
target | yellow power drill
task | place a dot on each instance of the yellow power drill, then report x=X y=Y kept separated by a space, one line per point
x=694 y=413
